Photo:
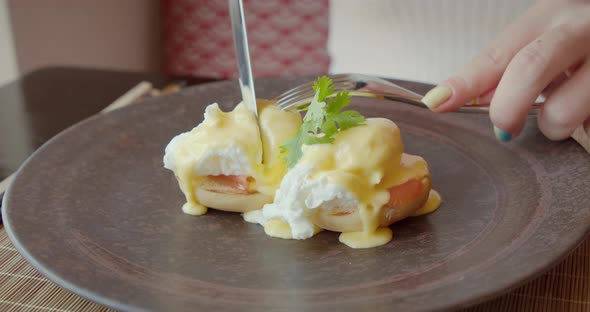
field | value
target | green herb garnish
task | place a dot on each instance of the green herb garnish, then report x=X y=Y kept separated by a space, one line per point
x=323 y=120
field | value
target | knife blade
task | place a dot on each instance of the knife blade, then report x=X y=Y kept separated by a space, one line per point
x=236 y=12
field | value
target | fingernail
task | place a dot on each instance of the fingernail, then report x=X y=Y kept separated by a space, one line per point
x=437 y=96
x=502 y=135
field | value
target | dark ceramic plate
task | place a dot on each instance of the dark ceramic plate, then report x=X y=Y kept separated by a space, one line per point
x=95 y=212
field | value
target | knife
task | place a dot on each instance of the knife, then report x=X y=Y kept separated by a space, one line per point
x=236 y=12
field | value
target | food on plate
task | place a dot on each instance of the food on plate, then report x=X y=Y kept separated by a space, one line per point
x=219 y=164
x=332 y=170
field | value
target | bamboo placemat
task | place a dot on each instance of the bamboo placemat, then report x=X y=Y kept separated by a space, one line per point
x=22 y=288
x=565 y=288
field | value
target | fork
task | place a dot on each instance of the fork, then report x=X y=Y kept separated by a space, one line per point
x=369 y=86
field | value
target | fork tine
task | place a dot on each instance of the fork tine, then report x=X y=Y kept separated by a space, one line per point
x=335 y=79
x=296 y=93
x=302 y=93
x=287 y=102
x=304 y=87
x=344 y=85
x=290 y=102
x=296 y=90
x=338 y=76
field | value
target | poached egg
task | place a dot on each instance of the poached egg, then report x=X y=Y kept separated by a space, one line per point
x=232 y=144
x=354 y=173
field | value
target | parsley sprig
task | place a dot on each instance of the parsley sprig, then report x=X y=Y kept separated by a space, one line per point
x=323 y=120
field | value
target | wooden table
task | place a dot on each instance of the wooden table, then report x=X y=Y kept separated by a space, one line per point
x=41 y=104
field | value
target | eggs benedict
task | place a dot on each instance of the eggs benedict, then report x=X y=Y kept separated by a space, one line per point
x=358 y=185
x=331 y=170
x=219 y=164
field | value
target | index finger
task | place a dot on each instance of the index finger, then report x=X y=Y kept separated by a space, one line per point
x=483 y=73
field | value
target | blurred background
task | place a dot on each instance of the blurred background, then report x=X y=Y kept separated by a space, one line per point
x=110 y=34
x=422 y=40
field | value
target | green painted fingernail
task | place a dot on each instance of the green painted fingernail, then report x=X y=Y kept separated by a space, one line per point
x=502 y=135
x=437 y=96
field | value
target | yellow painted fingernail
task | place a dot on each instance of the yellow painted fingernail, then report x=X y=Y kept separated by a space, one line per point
x=437 y=96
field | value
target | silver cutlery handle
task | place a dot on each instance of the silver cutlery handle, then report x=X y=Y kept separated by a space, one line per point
x=368 y=86
x=236 y=12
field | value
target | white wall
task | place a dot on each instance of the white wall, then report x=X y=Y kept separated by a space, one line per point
x=421 y=40
x=112 y=34
x=8 y=69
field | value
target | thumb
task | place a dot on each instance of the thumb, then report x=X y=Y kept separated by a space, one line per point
x=582 y=135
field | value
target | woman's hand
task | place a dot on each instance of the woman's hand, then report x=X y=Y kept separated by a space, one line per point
x=545 y=51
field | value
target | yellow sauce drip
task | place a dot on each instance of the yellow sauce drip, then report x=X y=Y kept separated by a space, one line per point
x=187 y=183
x=411 y=167
x=371 y=235
x=378 y=237
x=194 y=209
x=281 y=229
x=278 y=228
x=433 y=202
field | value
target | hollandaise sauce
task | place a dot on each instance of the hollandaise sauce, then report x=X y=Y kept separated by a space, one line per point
x=372 y=235
x=433 y=202
x=278 y=228
x=281 y=229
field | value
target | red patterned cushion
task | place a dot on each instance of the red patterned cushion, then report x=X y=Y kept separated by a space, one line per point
x=286 y=37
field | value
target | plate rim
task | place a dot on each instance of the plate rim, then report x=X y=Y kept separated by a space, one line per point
x=493 y=292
